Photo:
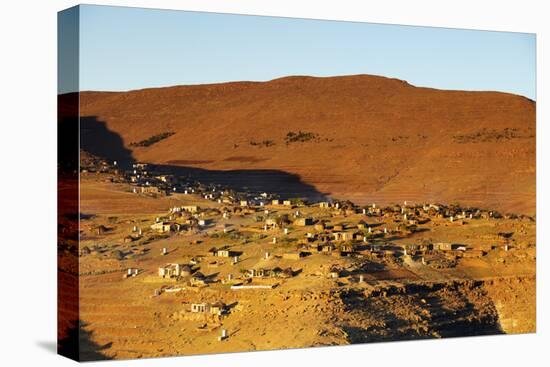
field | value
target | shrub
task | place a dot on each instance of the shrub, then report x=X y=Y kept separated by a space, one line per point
x=152 y=140
x=263 y=143
x=300 y=136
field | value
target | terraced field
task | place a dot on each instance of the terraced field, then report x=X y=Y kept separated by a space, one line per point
x=397 y=298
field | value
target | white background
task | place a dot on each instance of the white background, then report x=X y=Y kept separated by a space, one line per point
x=28 y=181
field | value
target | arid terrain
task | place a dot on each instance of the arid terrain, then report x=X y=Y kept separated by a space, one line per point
x=298 y=212
x=403 y=272
x=362 y=138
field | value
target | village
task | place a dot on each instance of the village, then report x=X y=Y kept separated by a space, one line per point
x=203 y=255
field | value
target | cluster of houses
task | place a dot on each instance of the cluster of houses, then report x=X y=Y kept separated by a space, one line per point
x=97 y=165
x=146 y=180
x=206 y=311
x=356 y=238
x=183 y=272
x=412 y=214
x=183 y=218
x=224 y=251
x=339 y=239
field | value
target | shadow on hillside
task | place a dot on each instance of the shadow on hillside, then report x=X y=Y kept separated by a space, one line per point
x=97 y=139
x=78 y=345
x=67 y=135
x=285 y=184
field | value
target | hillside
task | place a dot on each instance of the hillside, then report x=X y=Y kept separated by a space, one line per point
x=363 y=138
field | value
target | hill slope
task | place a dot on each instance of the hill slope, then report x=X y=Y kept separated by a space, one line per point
x=364 y=138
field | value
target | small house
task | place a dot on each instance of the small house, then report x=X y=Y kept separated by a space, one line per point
x=164 y=227
x=334 y=273
x=342 y=236
x=170 y=271
x=221 y=252
x=303 y=222
x=347 y=247
x=200 y=307
x=218 y=308
x=190 y=208
x=294 y=255
x=151 y=190
x=257 y=273
x=442 y=246
x=327 y=247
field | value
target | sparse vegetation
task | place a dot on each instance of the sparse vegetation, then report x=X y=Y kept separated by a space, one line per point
x=490 y=135
x=300 y=137
x=399 y=138
x=152 y=140
x=263 y=143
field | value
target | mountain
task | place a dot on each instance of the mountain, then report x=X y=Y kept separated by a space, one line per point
x=364 y=138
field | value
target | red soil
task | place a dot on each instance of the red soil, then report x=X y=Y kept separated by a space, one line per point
x=377 y=139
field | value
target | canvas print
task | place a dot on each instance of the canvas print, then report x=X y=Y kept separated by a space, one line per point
x=233 y=183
